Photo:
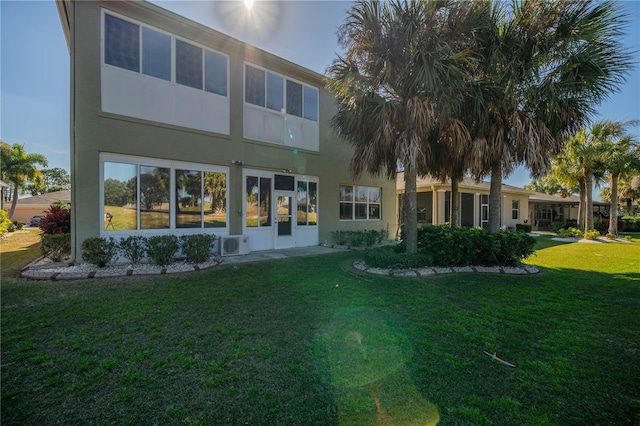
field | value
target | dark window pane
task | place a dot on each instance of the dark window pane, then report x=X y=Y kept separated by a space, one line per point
x=121 y=43
x=154 y=197
x=188 y=199
x=120 y=197
x=215 y=200
x=346 y=211
x=156 y=54
x=275 y=92
x=188 y=65
x=265 y=201
x=215 y=73
x=254 y=86
x=252 y=195
x=313 y=204
x=361 y=210
x=294 y=98
x=284 y=183
x=310 y=103
x=374 y=211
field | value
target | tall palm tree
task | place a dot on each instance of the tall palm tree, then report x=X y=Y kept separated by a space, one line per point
x=17 y=167
x=402 y=80
x=621 y=157
x=544 y=65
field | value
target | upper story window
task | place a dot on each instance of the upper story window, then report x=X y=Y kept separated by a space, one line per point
x=269 y=90
x=359 y=203
x=142 y=49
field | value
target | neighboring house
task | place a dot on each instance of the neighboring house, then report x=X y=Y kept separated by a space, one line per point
x=37 y=205
x=180 y=129
x=545 y=209
x=434 y=197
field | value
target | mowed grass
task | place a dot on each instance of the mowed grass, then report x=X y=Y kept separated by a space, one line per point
x=309 y=341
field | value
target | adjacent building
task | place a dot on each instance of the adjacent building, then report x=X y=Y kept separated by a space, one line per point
x=179 y=129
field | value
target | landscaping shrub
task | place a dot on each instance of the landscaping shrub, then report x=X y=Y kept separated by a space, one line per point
x=592 y=235
x=631 y=223
x=57 y=220
x=604 y=226
x=99 y=251
x=391 y=257
x=56 y=246
x=570 y=233
x=340 y=237
x=474 y=246
x=197 y=248
x=162 y=249
x=356 y=238
x=11 y=227
x=523 y=227
x=18 y=225
x=133 y=248
x=359 y=238
x=4 y=222
x=556 y=226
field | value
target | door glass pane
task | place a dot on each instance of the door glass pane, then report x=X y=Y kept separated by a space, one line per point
x=188 y=65
x=188 y=194
x=265 y=202
x=252 y=195
x=154 y=197
x=312 y=215
x=284 y=215
x=215 y=73
x=302 y=203
x=275 y=92
x=121 y=43
x=120 y=197
x=466 y=209
x=156 y=54
x=294 y=98
x=215 y=200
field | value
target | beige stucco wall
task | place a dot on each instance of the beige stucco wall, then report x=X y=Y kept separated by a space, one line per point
x=97 y=132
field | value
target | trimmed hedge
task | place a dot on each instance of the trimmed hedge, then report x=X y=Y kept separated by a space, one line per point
x=444 y=246
x=632 y=223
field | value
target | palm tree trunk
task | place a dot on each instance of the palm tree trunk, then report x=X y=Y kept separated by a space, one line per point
x=410 y=211
x=495 y=197
x=583 y=203
x=13 y=202
x=454 y=216
x=629 y=206
x=613 y=216
x=588 y=214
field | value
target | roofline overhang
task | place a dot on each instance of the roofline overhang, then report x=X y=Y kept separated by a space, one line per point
x=64 y=11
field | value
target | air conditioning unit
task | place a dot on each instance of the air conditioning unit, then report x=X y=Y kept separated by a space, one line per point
x=234 y=245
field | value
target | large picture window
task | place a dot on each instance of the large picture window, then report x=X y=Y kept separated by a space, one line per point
x=142 y=49
x=137 y=195
x=359 y=203
x=301 y=100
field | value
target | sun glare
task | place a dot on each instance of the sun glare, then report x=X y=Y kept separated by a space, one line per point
x=248 y=4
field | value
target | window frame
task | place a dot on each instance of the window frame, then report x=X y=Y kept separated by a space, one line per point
x=285 y=80
x=355 y=202
x=173 y=166
x=174 y=39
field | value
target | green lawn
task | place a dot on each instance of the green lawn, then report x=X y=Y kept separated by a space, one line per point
x=308 y=341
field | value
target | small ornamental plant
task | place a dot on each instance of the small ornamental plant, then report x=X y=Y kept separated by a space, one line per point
x=134 y=248
x=99 y=251
x=57 y=220
x=197 y=248
x=162 y=249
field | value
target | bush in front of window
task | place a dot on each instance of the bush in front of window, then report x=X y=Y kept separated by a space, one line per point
x=99 y=251
x=632 y=223
x=162 y=249
x=133 y=248
x=367 y=238
x=56 y=246
x=391 y=257
x=197 y=248
x=523 y=227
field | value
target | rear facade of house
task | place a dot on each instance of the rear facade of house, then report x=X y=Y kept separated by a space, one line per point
x=179 y=129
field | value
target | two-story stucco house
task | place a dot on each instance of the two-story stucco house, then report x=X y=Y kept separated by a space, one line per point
x=177 y=129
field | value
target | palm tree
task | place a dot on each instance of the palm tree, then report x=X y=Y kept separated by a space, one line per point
x=543 y=67
x=17 y=167
x=621 y=157
x=401 y=81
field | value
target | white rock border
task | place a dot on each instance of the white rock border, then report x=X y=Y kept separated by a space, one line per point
x=423 y=272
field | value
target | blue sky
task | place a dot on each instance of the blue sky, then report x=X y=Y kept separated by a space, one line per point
x=34 y=60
